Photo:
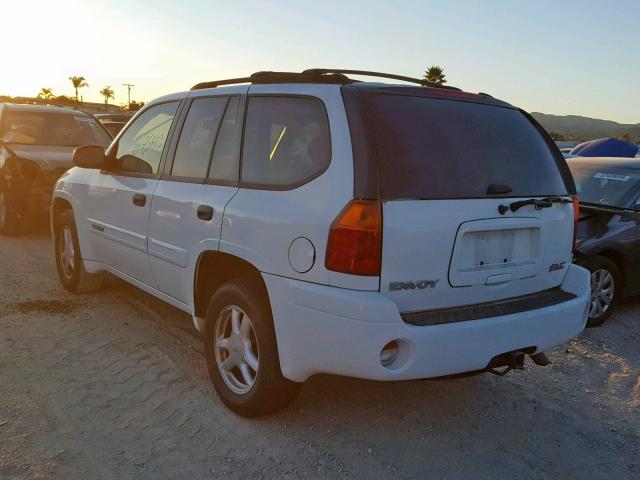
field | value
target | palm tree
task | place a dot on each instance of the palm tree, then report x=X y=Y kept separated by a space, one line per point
x=45 y=93
x=435 y=75
x=78 y=82
x=107 y=93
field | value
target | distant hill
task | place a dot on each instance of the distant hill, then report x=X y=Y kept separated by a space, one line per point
x=574 y=127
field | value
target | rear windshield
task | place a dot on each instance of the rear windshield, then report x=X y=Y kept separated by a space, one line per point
x=602 y=184
x=55 y=129
x=433 y=148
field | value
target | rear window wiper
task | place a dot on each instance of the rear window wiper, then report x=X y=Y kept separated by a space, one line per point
x=538 y=203
x=596 y=207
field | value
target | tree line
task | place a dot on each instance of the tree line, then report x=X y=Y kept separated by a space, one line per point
x=79 y=82
x=434 y=75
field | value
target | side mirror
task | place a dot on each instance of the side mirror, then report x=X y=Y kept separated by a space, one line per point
x=89 y=156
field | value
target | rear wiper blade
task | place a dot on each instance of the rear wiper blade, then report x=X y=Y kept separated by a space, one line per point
x=538 y=203
x=595 y=207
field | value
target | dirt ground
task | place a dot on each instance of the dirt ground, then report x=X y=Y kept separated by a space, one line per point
x=113 y=385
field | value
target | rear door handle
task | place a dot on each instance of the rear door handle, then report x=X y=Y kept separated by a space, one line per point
x=139 y=200
x=205 y=212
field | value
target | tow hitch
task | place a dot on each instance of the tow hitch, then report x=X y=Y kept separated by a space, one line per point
x=510 y=360
x=515 y=361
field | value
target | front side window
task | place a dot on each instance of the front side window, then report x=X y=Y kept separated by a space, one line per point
x=140 y=147
x=52 y=129
x=198 y=134
x=286 y=141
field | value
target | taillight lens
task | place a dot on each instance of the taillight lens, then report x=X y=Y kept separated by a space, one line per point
x=576 y=218
x=355 y=239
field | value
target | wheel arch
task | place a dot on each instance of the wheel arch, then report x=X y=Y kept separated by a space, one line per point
x=58 y=205
x=212 y=270
x=618 y=259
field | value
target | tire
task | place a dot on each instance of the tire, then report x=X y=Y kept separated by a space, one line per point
x=253 y=344
x=602 y=271
x=69 y=264
x=10 y=218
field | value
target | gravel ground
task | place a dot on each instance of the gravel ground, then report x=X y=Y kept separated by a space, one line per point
x=113 y=385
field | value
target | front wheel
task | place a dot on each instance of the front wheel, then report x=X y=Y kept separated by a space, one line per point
x=606 y=286
x=241 y=350
x=71 y=271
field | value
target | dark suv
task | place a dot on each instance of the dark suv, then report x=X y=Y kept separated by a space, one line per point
x=36 y=148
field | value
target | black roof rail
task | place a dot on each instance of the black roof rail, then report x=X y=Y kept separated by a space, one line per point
x=424 y=83
x=278 y=77
x=315 y=75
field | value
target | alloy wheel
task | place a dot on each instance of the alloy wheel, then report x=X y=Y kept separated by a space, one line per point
x=236 y=349
x=602 y=292
x=66 y=251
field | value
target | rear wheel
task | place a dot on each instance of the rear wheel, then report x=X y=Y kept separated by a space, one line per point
x=10 y=219
x=69 y=264
x=605 y=289
x=241 y=350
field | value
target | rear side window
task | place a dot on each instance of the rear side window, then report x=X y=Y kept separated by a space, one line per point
x=196 y=139
x=286 y=141
x=432 y=148
x=140 y=147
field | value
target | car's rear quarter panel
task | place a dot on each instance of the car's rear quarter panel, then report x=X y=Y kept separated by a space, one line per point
x=260 y=225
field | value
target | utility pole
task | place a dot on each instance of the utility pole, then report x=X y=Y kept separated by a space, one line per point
x=128 y=85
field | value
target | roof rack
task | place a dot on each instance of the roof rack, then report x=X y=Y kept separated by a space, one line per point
x=314 y=75
x=277 y=77
x=367 y=73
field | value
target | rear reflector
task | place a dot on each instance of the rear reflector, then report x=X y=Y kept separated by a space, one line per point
x=355 y=239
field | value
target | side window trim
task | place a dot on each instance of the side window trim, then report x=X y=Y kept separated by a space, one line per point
x=304 y=181
x=167 y=160
x=165 y=149
x=240 y=116
x=171 y=152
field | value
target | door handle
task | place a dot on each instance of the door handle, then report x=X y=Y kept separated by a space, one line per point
x=205 y=212
x=139 y=200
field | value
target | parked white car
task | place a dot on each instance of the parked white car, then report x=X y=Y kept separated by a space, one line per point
x=313 y=224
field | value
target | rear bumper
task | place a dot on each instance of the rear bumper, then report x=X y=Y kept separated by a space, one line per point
x=323 y=329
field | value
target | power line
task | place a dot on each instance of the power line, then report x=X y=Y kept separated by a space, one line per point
x=128 y=85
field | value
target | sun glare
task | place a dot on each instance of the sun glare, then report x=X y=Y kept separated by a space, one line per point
x=43 y=50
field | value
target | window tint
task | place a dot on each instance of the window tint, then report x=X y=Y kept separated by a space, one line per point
x=430 y=148
x=286 y=141
x=140 y=147
x=605 y=183
x=48 y=128
x=196 y=139
x=224 y=165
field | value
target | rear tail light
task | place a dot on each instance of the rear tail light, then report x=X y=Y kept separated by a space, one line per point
x=576 y=218
x=355 y=239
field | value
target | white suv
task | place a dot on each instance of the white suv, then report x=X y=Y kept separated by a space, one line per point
x=314 y=224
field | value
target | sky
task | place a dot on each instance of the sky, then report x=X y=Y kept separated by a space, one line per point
x=565 y=57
